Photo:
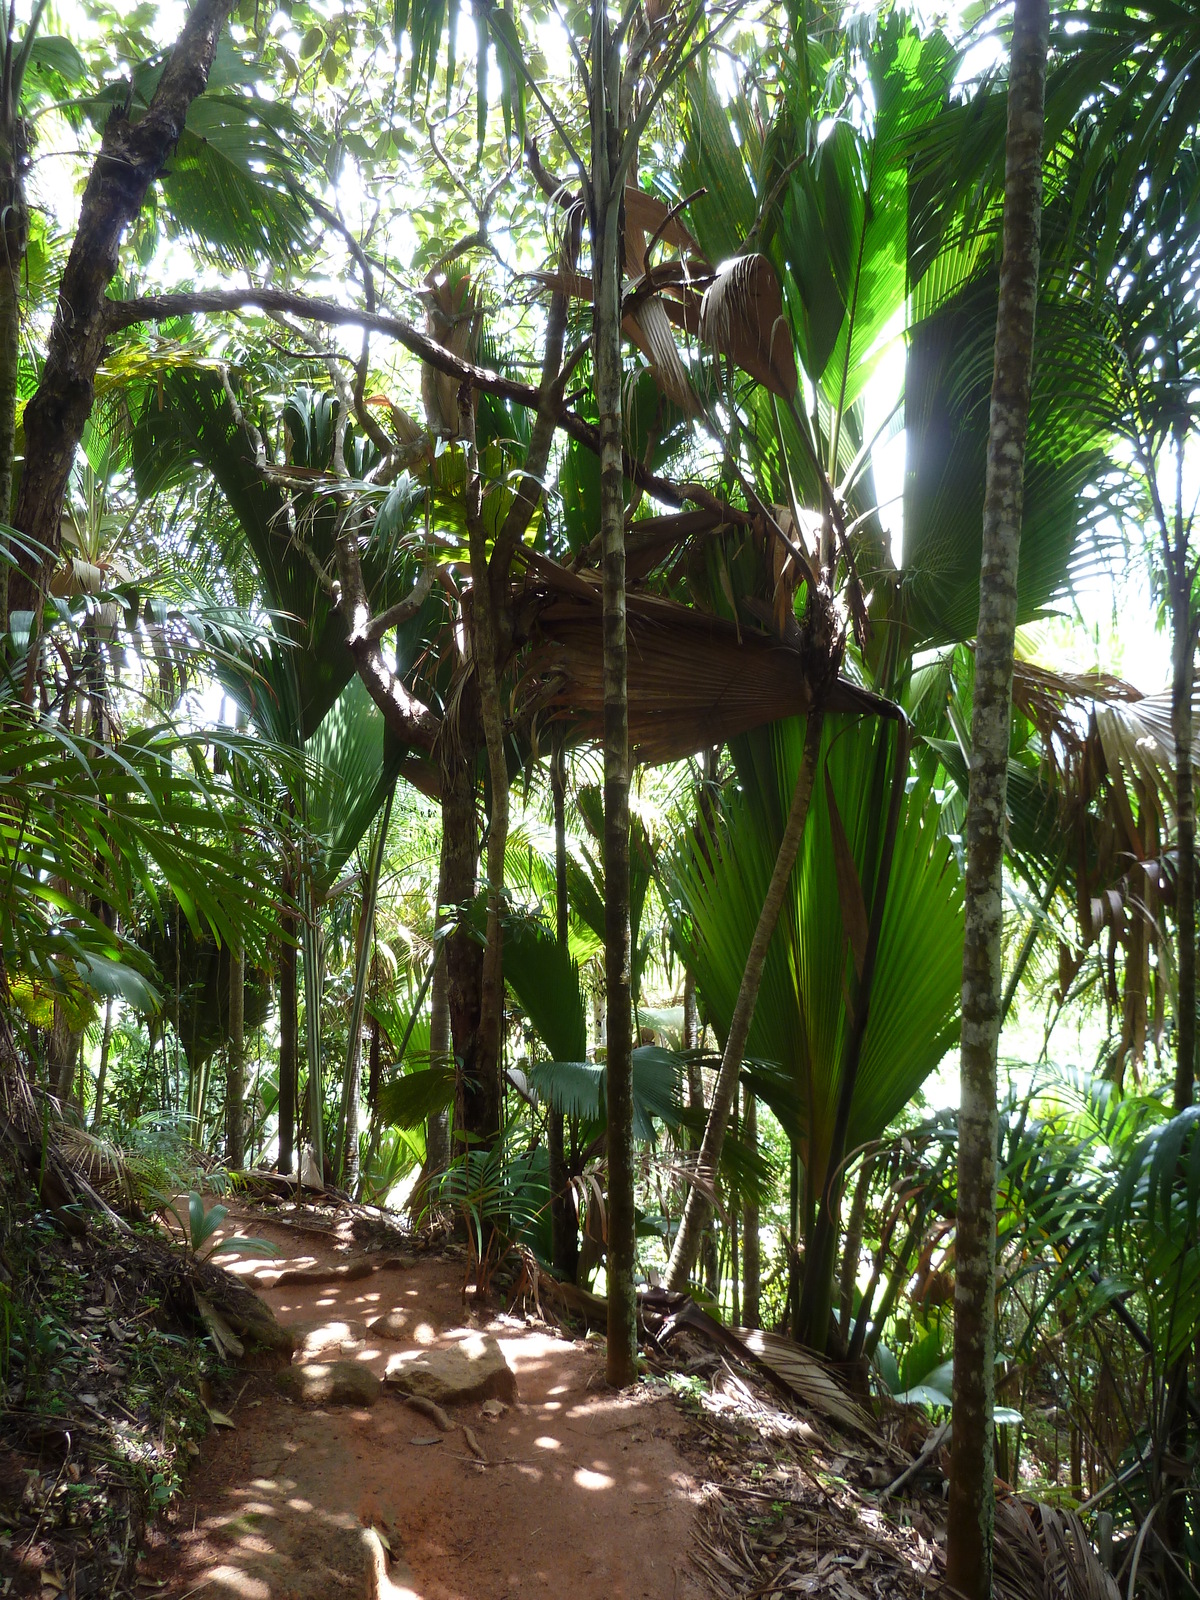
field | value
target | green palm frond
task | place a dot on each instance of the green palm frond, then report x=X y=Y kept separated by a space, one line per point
x=797 y=1038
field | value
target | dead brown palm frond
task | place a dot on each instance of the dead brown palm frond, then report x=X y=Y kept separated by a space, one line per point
x=805 y=1375
x=649 y=327
x=695 y=680
x=1043 y=1553
x=1108 y=761
x=647 y=222
x=792 y=1368
x=741 y=317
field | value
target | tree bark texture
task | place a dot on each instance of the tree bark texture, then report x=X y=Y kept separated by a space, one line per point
x=971 y=1513
x=477 y=1094
x=235 y=1062
x=437 y=1128
x=62 y=1054
x=102 y=1074
x=1183 y=677
x=698 y=1208
x=289 y=1030
x=14 y=230
x=483 y=620
x=131 y=157
x=606 y=222
x=751 y=1253
x=564 y=1234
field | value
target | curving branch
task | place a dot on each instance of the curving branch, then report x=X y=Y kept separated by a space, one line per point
x=131 y=157
x=162 y=308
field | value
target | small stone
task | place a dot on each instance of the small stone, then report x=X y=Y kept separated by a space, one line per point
x=394 y=1324
x=330 y=1334
x=334 y=1383
x=472 y=1368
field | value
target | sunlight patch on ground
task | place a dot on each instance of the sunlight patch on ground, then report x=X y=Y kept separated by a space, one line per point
x=234 y=1581
x=586 y=1478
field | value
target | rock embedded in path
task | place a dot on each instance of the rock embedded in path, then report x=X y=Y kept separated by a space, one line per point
x=394 y=1324
x=469 y=1369
x=330 y=1383
x=328 y=1335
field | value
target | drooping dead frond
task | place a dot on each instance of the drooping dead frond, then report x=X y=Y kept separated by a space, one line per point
x=695 y=679
x=741 y=317
x=649 y=326
x=1043 y=1553
x=647 y=221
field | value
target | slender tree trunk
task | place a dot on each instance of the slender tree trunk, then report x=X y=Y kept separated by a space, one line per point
x=14 y=230
x=971 y=1514
x=63 y=1053
x=564 y=1235
x=751 y=1255
x=235 y=1066
x=698 y=1208
x=352 y=1082
x=477 y=1096
x=606 y=230
x=102 y=1074
x=131 y=157
x=289 y=1030
x=695 y=1080
x=484 y=641
x=1183 y=677
x=437 y=1128
x=853 y=1248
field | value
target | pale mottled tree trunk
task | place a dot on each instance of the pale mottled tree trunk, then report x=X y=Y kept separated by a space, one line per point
x=564 y=1234
x=606 y=202
x=289 y=1028
x=235 y=1061
x=698 y=1208
x=751 y=1254
x=102 y=1074
x=971 y=1516
x=1183 y=677
x=437 y=1129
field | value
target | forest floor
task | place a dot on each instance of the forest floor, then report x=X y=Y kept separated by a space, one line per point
x=584 y=1492
x=317 y=1481
x=698 y=1483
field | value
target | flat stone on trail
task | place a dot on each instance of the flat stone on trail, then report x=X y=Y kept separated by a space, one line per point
x=327 y=1335
x=331 y=1383
x=393 y=1324
x=471 y=1368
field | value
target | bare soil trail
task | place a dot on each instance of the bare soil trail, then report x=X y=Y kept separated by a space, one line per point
x=585 y=1494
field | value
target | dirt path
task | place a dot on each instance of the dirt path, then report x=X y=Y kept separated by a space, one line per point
x=589 y=1498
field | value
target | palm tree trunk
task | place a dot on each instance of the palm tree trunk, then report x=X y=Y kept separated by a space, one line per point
x=15 y=233
x=698 y=1208
x=235 y=1066
x=484 y=639
x=289 y=1030
x=564 y=1235
x=606 y=230
x=971 y=1515
x=751 y=1254
x=102 y=1074
x=477 y=1097
x=313 y=984
x=437 y=1128
x=1183 y=677
x=351 y=1083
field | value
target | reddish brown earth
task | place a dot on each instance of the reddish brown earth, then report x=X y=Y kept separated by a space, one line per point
x=586 y=1494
